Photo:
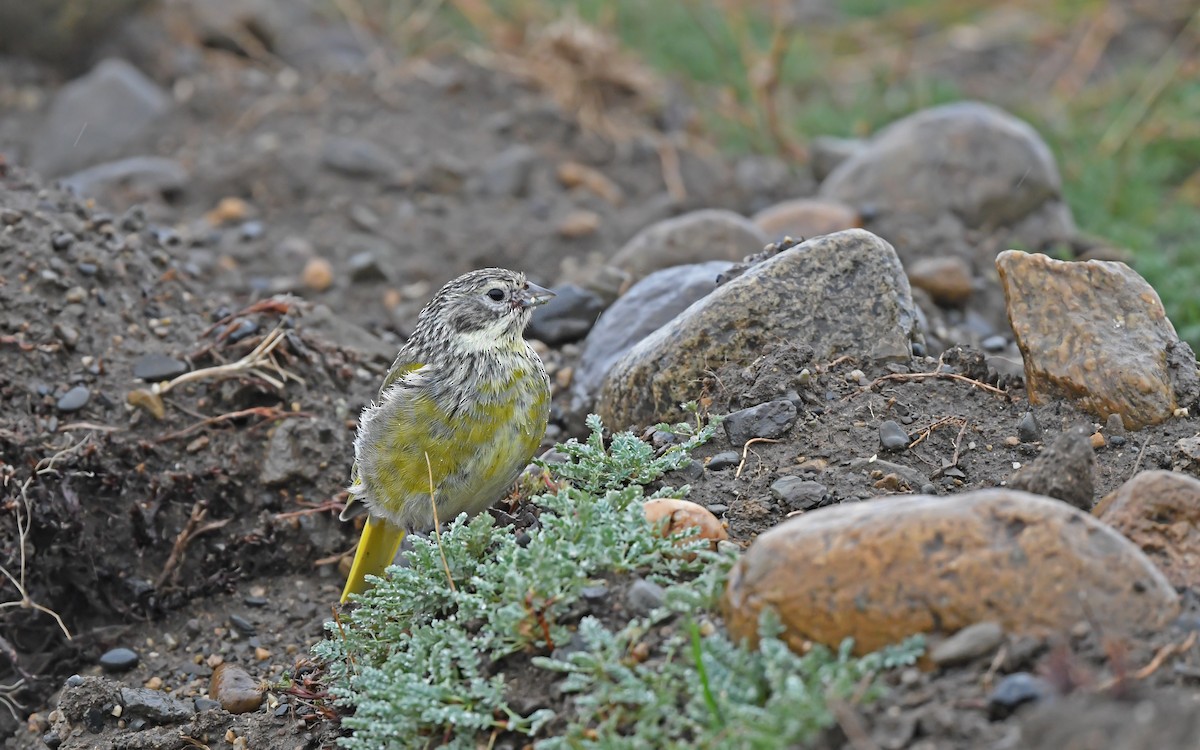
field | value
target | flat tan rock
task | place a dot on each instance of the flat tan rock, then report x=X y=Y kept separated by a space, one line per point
x=881 y=570
x=806 y=217
x=1159 y=511
x=1096 y=333
x=946 y=278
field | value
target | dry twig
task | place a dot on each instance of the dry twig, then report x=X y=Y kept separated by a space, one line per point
x=253 y=363
x=192 y=529
x=746 y=450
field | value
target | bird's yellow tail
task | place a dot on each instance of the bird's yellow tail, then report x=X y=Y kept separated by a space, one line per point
x=376 y=549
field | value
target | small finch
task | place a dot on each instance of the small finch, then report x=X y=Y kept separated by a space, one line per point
x=459 y=414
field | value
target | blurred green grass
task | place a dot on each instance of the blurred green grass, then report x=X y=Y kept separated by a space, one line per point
x=1129 y=149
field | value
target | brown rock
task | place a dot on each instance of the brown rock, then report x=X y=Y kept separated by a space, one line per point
x=947 y=279
x=236 y=690
x=572 y=174
x=673 y=515
x=578 y=224
x=1096 y=333
x=317 y=274
x=881 y=570
x=1063 y=470
x=1186 y=456
x=709 y=234
x=1160 y=512
x=806 y=217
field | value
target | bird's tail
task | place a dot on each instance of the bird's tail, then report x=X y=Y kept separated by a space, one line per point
x=376 y=550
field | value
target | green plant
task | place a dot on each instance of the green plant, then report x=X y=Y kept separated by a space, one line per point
x=424 y=663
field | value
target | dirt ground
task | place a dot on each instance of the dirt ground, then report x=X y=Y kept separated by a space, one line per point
x=207 y=533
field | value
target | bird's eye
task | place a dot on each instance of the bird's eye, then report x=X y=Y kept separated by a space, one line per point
x=496 y=294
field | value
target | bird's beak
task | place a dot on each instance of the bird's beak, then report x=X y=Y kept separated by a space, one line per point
x=533 y=295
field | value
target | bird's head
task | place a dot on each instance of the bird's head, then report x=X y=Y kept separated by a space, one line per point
x=485 y=308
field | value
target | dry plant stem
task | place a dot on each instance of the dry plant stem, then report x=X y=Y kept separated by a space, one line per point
x=8 y=698
x=267 y=412
x=925 y=433
x=852 y=726
x=672 y=175
x=766 y=89
x=437 y=526
x=252 y=363
x=935 y=374
x=191 y=530
x=746 y=450
x=1091 y=48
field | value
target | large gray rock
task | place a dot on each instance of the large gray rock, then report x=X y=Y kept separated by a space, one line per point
x=647 y=305
x=93 y=117
x=841 y=294
x=696 y=237
x=973 y=160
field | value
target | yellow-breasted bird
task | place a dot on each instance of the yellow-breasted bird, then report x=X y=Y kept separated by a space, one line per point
x=461 y=411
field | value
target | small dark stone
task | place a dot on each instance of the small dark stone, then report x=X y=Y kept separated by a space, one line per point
x=255 y=601
x=717 y=508
x=119 y=660
x=644 y=596
x=282 y=709
x=242 y=625
x=74 y=399
x=87 y=269
x=239 y=329
x=928 y=489
x=1014 y=691
x=994 y=344
x=137 y=724
x=93 y=718
x=1028 y=430
x=1117 y=441
x=192 y=627
x=62 y=241
x=892 y=436
x=152 y=368
x=251 y=230
x=567 y=317
x=797 y=493
x=691 y=471
x=154 y=705
x=770 y=420
x=205 y=704
x=74 y=680
x=51 y=740
x=724 y=460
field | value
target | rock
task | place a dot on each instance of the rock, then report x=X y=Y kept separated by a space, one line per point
x=674 y=515
x=567 y=317
x=968 y=159
x=770 y=420
x=365 y=265
x=843 y=294
x=1063 y=470
x=1014 y=691
x=317 y=274
x=946 y=278
x=508 y=172
x=118 y=660
x=644 y=596
x=74 y=399
x=154 y=706
x=805 y=217
x=155 y=367
x=647 y=305
x=341 y=332
x=892 y=437
x=1186 y=456
x=356 y=157
x=579 y=223
x=938 y=564
x=1164 y=719
x=287 y=458
x=798 y=494
x=1096 y=333
x=94 y=116
x=709 y=234
x=1028 y=429
x=236 y=690
x=143 y=175
x=1159 y=511
x=971 y=642
x=572 y=174
x=1114 y=425
x=724 y=460
x=827 y=152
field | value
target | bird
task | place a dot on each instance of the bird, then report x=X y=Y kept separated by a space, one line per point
x=459 y=414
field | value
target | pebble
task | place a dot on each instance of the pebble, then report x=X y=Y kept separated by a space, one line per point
x=995 y=343
x=644 y=596
x=239 y=329
x=769 y=420
x=51 y=740
x=254 y=600
x=1028 y=430
x=970 y=642
x=74 y=399
x=724 y=460
x=1097 y=441
x=579 y=223
x=364 y=267
x=152 y=368
x=1114 y=425
x=797 y=493
x=242 y=625
x=594 y=593
x=892 y=436
x=1014 y=691
x=154 y=705
x=118 y=660
x=205 y=704
x=236 y=690
x=717 y=508
x=317 y=274
x=76 y=295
